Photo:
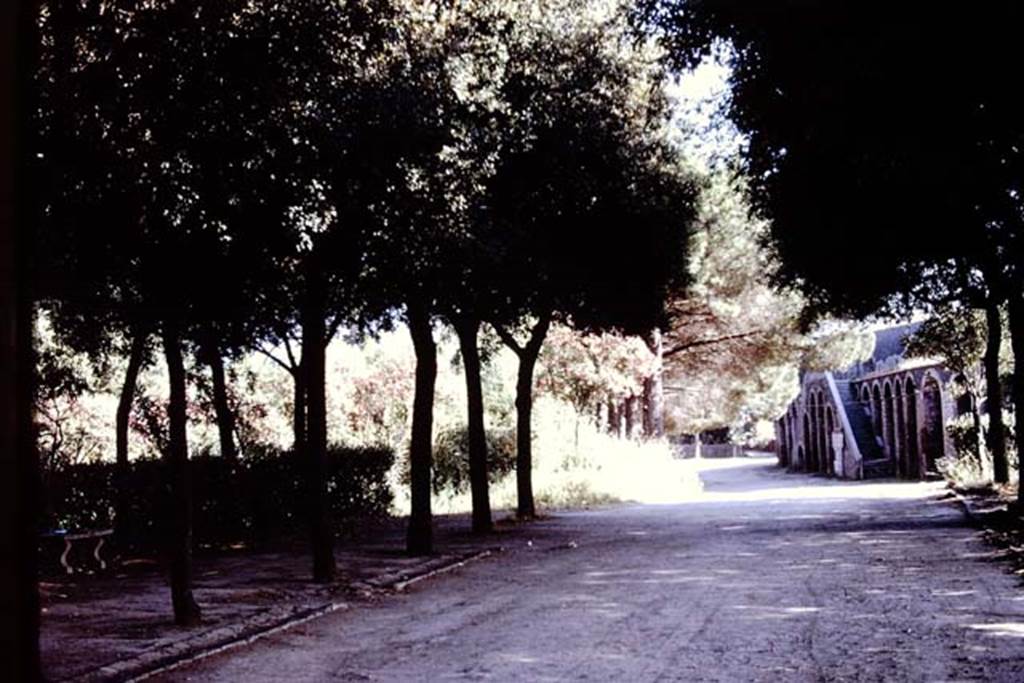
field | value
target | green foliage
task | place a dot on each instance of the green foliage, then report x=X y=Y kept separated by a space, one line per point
x=69 y=420
x=956 y=335
x=872 y=170
x=586 y=370
x=964 y=435
x=964 y=472
x=258 y=499
x=451 y=458
x=838 y=347
x=733 y=347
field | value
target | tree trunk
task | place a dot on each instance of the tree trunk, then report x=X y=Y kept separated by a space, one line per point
x=613 y=418
x=654 y=391
x=225 y=416
x=20 y=489
x=629 y=413
x=979 y=447
x=468 y=330
x=179 y=548
x=299 y=411
x=1016 y=309
x=525 y=506
x=420 y=535
x=124 y=410
x=124 y=403
x=314 y=331
x=996 y=435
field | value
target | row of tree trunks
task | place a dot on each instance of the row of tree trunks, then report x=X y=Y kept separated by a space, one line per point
x=468 y=331
x=420 y=534
x=644 y=414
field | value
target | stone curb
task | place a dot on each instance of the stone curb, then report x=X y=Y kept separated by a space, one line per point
x=191 y=649
x=402 y=585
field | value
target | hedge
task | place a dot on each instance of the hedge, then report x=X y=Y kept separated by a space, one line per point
x=255 y=500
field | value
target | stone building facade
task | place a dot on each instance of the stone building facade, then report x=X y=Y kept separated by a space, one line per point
x=882 y=417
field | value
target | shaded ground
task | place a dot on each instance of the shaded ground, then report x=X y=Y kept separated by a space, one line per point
x=767 y=576
x=90 y=622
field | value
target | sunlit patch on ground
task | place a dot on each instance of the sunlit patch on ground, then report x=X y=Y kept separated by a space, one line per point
x=1012 y=629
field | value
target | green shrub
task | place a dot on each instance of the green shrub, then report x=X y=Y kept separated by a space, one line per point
x=254 y=500
x=964 y=436
x=451 y=458
x=965 y=473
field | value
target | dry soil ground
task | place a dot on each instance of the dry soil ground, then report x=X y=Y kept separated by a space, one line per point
x=766 y=576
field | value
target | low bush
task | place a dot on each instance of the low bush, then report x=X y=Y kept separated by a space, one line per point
x=451 y=458
x=965 y=473
x=259 y=498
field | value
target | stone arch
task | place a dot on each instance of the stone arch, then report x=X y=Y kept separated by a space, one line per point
x=914 y=467
x=829 y=427
x=805 y=448
x=932 y=421
x=822 y=433
x=876 y=409
x=888 y=421
x=903 y=465
x=780 y=426
x=812 y=434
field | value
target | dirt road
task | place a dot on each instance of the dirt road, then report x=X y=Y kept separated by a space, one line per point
x=767 y=576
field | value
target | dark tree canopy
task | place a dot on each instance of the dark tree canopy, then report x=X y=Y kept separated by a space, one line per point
x=889 y=131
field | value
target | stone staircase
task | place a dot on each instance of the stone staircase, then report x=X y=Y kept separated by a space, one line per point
x=875 y=464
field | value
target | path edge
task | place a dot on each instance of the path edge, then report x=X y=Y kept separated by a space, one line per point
x=229 y=637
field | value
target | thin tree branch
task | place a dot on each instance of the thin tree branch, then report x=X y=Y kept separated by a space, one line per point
x=508 y=339
x=291 y=354
x=332 y=327
x=707 y=342
x=289 y=369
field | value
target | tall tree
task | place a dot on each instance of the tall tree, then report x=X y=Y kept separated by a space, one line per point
x=156 y=161
x=584 y=152
x=857 y=140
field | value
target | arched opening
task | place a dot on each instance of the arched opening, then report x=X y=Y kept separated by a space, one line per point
x=900 y=413
x=804 y=449
x=812 y=436
x=822 y=435
x=876 y=411
x=783 y=442
x=830 y=466
x=888 y=423
x=913 y=457
x=932 y=437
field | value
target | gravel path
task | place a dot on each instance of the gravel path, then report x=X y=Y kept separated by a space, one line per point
x=767 y=576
